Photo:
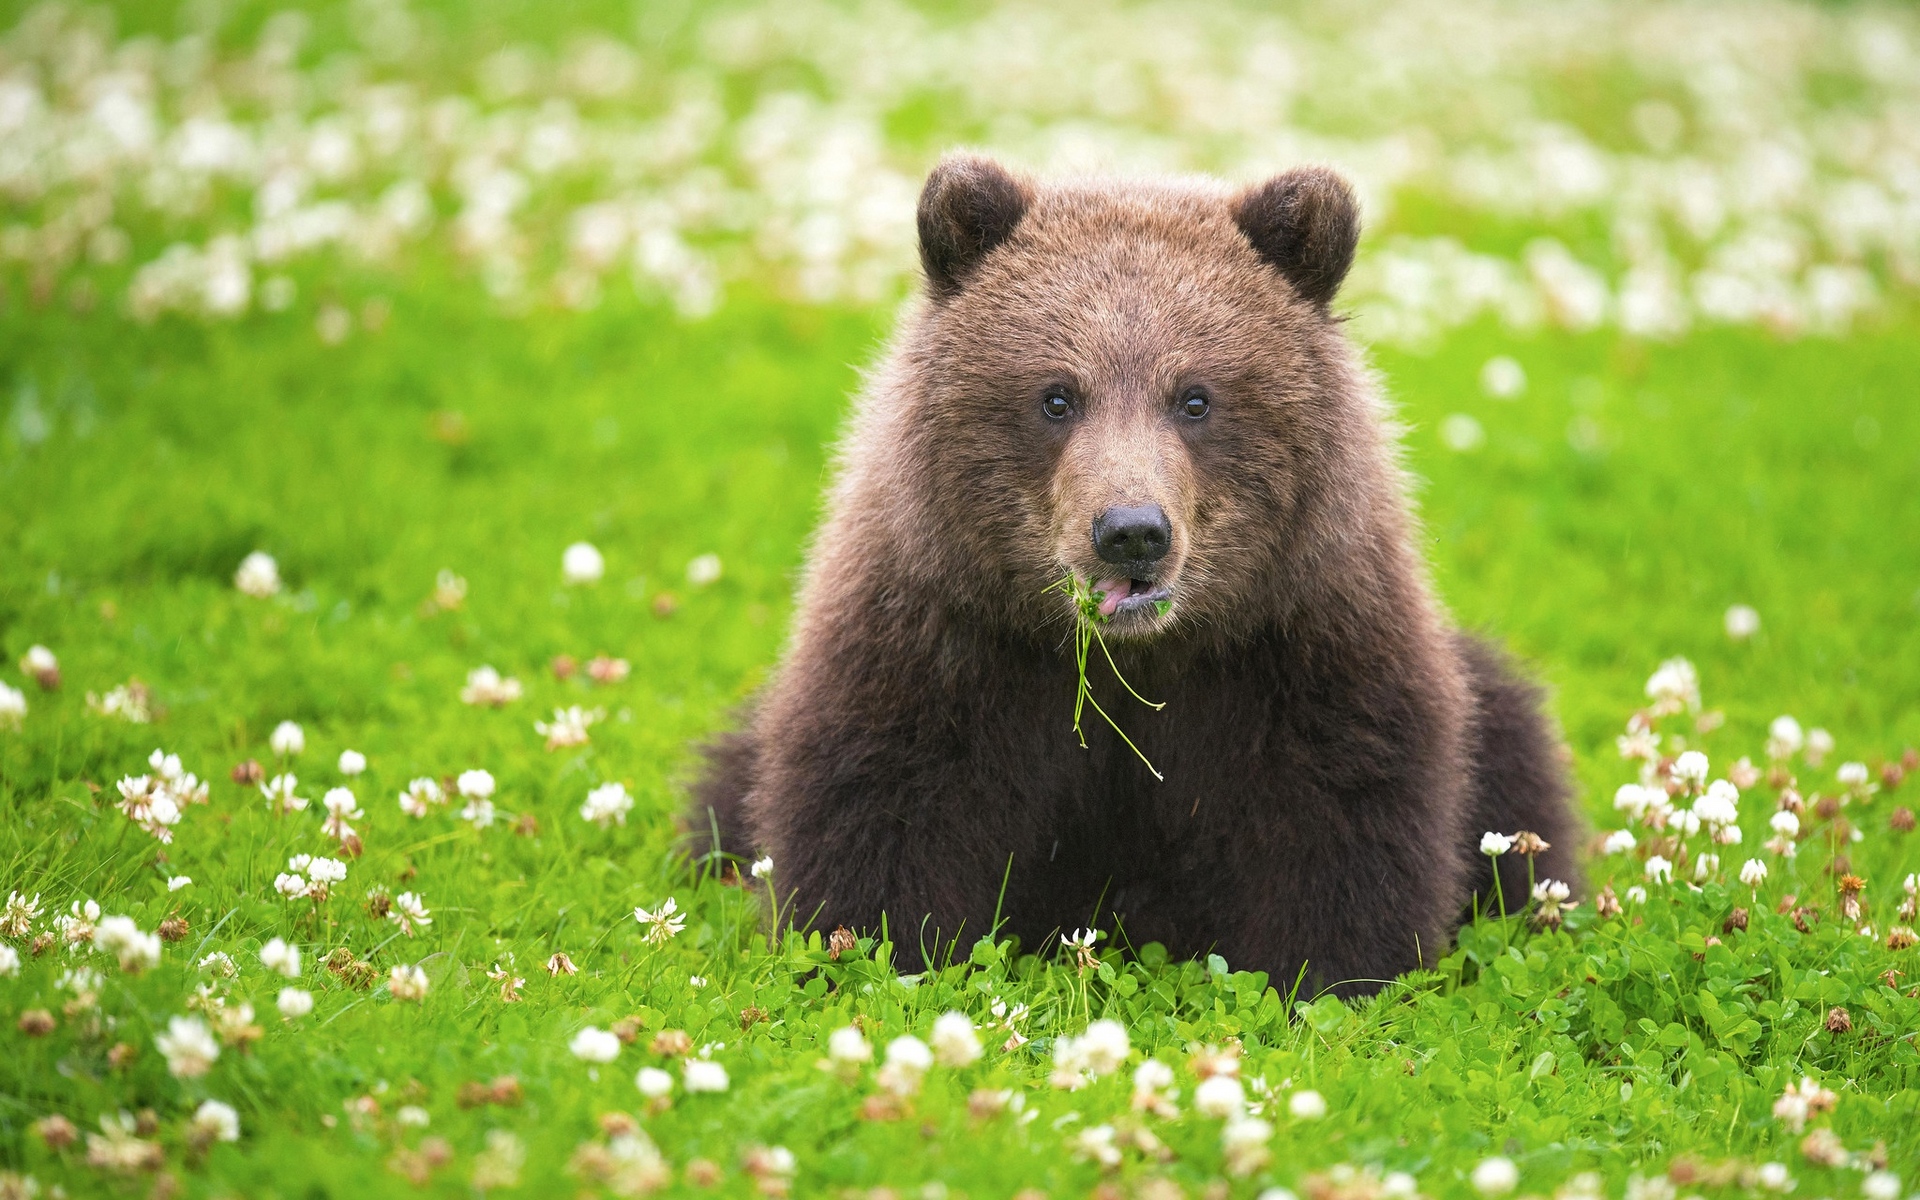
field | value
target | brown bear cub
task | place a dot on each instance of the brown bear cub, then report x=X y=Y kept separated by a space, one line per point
x=1140 y=386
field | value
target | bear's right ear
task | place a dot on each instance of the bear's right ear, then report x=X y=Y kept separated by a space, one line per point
x=1306 y=223
x=969 y=206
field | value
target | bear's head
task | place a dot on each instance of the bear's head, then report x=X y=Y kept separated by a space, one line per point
x=1140 y=385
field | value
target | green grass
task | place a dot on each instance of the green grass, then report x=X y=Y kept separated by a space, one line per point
x=1726 y=468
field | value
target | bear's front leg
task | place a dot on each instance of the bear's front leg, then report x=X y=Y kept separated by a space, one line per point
x=900 y=810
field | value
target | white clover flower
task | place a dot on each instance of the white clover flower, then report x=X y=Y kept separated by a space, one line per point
x=607 y=804
x=582 y=563
x=281 y=796
x=290 y=884
x=1152 y=1075
x=294 y=1002
x=1674 y=686
x=487 y=686
x=1618 y=842
x=1636 y=894
x=1219 y=1096
x=1307 y=1105
x=1705 y=867
x=1881 y=1185
x=281 y=956
x=1753 y=872
x=568 y=727
x=13 y=706
x=1785 y=822
x=762 y=867
x=1784 y=737
x=1551 y=890
x=847 y=1046
x=258 y=575
x=1852 y=774
x=119 y=936
x=1495 y=1176
x=1095 y=1144
x=703 y=1075
x=1632 y=799
x=1774 y=1177
x=176 y=882
x=1495 y=844
x=166 y=766
x=704 y=570
x=1691 y=768
x=1103 y=1047
x=9 y=960
x=908 y=1059
x=408 y=911
x=1742 y=622
x=662 y=923
x=220 y=965
x=409 y=983
x=480 y=812
x=595 y=1045
x=215 y=1121
x=287 y=739
x=412 y=1116
x=352 y=763
x=1819 y=745
x=1243 y=1143
x=325 y=871
x=40 y=665
x=955 y=1044
x=475 y=784
x=420 y=797
x=653 y=1082
x=188 y=1046
x=1659 y=869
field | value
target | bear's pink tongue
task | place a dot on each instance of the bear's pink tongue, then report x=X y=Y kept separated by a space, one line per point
x=1115 y=590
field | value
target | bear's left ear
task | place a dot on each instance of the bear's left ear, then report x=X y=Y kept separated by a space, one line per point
x=1306 y=223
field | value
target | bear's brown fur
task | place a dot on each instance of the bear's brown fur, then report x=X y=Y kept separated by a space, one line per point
x=1332 y=748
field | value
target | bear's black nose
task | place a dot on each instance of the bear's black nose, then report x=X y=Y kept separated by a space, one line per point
x=1132 y=535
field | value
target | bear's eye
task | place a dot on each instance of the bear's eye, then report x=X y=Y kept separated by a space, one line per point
x=1056 y=405
x=1195 y=404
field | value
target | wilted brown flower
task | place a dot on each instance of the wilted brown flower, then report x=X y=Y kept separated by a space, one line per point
x=1801 y=915
x=1850 y=888
x=619 y=1124
x=1902 y=820
x=122 y=1055
x=839 y=942
x=1530 y=843
x=672 y=1043
x=1823 y=1148
x=752 y=1015
x=248 y=773
x=560 y=964
x=627 y=1029
x=1826 y=807
x=173 y=929
x=1900 y=938
x=42 y=943
x=379 y=903
x=1737 y=919
x=703 y=1173
x=563 y=666
x=1606 y=904
x=36 y=1022
x=1891 y=775
x=665 y=604
x=1839 y=1021
x=56 y=1131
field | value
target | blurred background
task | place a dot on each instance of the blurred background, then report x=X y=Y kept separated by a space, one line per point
x=390 y=287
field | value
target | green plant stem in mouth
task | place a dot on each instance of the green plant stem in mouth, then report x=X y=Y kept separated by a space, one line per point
x=1086 y=633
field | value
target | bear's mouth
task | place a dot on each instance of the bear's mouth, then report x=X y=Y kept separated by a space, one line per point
x=1130 y=597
